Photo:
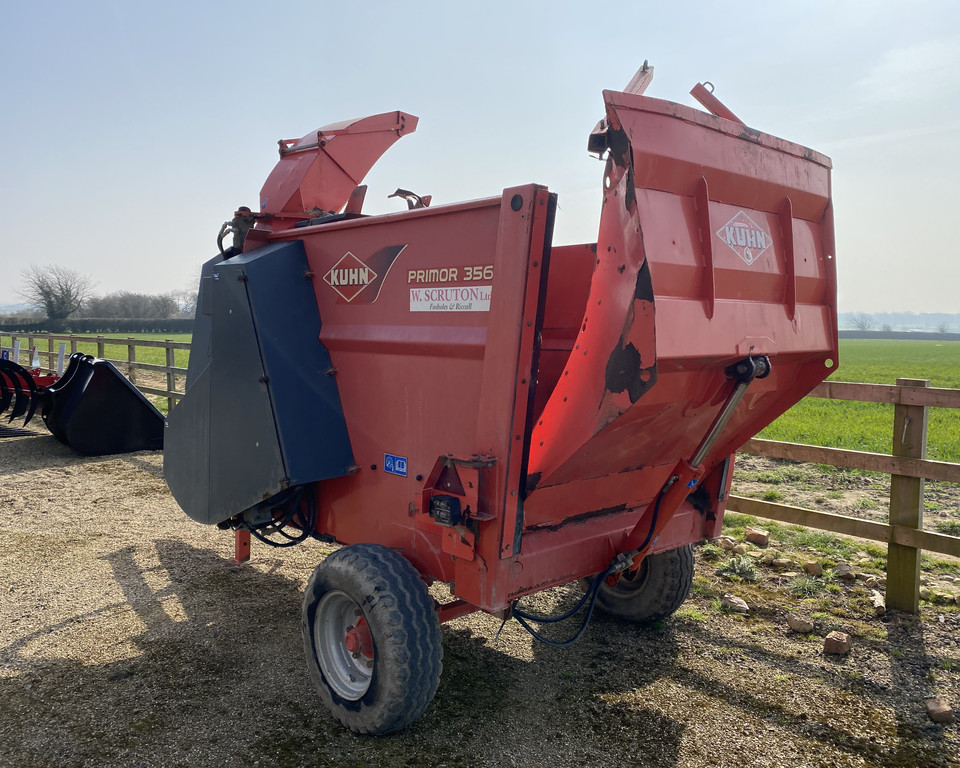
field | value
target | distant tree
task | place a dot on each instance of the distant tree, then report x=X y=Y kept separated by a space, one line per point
x=862 y=322
x=164 y=305
x=56 y=291
x=943 y=328
x=886 y=328
x=186 y=299
x=138 y=306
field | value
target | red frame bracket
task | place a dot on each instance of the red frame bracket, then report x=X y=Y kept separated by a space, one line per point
x=241 y=546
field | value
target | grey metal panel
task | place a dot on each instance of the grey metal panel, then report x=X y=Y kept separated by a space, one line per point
x=260 y=412
x=309 y=417
x=246 y=464
x=186 y=450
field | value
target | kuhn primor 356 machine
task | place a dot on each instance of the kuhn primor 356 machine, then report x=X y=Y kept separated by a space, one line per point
x=456 y=399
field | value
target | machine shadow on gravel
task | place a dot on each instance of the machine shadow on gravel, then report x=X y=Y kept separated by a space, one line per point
x=594 y=687
x=196 y=655
x=216 y=651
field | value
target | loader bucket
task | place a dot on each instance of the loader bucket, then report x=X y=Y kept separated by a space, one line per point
x=96 y=411
x=17 y=388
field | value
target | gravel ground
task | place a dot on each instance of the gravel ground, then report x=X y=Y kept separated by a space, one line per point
x=128 y=639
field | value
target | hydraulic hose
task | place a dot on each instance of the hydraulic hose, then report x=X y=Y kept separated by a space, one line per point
x=589 y=597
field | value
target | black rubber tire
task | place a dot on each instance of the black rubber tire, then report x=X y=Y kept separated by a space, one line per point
x=656 y=591
x=402 y=621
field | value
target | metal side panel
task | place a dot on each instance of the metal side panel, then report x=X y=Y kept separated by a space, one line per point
x=221 y=452
x=246 y=462
x=306 y=400
x=260 y=413
x=186 y=450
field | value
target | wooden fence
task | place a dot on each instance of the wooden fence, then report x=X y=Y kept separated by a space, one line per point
x=52 y=348
x=908 y=468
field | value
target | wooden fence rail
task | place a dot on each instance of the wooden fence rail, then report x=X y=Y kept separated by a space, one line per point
x=908 y=468
x=70 y=343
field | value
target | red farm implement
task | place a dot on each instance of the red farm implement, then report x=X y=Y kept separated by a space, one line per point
x=455 y=398
x=20 y=389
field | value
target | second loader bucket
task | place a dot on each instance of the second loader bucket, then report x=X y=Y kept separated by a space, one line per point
x=96 y=411
x=17 y=391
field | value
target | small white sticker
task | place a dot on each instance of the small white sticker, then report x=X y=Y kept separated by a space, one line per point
x=472 y=298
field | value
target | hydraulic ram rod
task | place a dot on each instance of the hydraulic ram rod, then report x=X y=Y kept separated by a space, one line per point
x=686 y=474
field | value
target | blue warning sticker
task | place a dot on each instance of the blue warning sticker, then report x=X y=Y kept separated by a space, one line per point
x=394 y=465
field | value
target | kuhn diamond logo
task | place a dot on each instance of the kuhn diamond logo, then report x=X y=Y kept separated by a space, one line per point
x=745 y=237
x=349 y=276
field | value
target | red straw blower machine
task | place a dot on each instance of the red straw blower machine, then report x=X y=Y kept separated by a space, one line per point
x=453 y=398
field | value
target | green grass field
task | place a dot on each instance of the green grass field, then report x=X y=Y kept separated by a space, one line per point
x=869 y=426
x=834 y=423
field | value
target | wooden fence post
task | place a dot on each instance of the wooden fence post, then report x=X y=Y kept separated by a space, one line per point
x=131 y=358
x=171 y=378
x=100 y=351
x=906 y=502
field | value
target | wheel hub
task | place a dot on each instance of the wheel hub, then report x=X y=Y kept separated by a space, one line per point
x=358 y=640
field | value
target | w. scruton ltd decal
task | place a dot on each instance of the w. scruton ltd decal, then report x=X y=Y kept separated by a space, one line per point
x=359 y=282
x=745 y=237
x=466 y=298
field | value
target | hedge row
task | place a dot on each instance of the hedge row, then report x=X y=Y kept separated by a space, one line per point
x=911 y=335
x=93 y=325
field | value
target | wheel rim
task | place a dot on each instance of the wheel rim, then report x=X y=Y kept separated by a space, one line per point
x=344 y=645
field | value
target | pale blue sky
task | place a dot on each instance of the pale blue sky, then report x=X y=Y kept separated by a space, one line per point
x=130 y=131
